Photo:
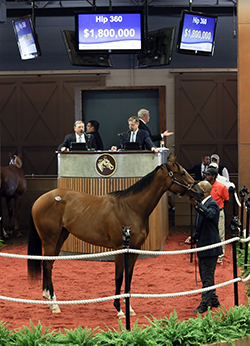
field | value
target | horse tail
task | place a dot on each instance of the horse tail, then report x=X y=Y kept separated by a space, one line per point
x=34 y=249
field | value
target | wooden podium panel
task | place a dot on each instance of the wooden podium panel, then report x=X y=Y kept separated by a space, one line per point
x=158 y=220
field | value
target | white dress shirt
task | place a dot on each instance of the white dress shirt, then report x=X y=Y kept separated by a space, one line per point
x=131 y=136
x=80 y=138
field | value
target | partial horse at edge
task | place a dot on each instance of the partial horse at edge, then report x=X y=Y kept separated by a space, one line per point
x=13 y=186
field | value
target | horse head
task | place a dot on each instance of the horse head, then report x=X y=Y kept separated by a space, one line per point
x=181 y=182
x=108 y=164
x=105 y=163
x=15 y=160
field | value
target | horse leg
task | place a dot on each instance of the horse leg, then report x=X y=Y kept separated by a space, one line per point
x=131 y=263
x=119 y=267
x=17 y=205
x=48 y=289
x=4 y=234
x=10 y=213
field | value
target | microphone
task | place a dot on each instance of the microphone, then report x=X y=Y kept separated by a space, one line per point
x=86 y=134
x=123 y=133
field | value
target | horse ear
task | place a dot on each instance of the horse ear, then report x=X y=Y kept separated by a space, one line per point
x=172 y=158
x=10 y=155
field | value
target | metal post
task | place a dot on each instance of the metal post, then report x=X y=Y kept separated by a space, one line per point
x=190 y=5
x=126 y=239
x=242 y=192
x=232 y=191
x=191 y=231
x=235 y=224
x=241 y=218
x=247 y=204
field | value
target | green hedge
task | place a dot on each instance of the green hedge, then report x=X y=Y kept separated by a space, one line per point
x=213 y=327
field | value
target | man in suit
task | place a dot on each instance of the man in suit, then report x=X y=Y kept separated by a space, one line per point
x=207 y=233
x=93 y=127
x=136 y=135
x=199 y=169
x=143 y=115
x=78 y=136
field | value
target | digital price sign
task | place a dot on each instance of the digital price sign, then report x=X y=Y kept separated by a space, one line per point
x=26 y=38
x=197 y=33
x=109 y=32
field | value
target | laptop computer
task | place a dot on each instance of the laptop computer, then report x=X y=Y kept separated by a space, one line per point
x=74 y=146
x=132 y=146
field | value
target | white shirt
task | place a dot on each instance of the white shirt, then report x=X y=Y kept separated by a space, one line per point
x=225 y=181
x=203 y=169
x=205 y=199
x=131 y=136
x=225 y=173
x=82 y=138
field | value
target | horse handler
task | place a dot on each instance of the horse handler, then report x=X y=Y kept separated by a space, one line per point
x=207 y=233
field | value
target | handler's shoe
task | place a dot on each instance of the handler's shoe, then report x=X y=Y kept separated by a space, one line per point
x=215 y=304
x=201 y=309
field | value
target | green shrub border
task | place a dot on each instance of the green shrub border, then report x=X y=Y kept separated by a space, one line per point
x=213 y=327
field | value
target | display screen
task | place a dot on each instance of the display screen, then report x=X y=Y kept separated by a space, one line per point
x=26 y=38
x=112 y=32
x=197 y=33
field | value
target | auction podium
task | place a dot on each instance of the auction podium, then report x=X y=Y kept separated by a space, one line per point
x=100 y=172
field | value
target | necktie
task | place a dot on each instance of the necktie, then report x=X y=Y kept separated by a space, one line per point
x=80 y=138
x=205 y=168
x=133 y=137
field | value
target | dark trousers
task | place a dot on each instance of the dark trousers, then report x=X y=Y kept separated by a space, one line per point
x=207 y=267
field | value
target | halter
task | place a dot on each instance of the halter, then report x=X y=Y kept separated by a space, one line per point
x=187 y=187
x=13 y=160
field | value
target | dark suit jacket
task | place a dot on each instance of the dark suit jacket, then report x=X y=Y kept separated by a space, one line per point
x=142 y=137
x=196 y=169
x=207 y=232
x=90 y=141
x=98 y=140
x=143 y=126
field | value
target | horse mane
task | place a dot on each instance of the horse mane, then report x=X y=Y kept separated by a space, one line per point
x=138 y=186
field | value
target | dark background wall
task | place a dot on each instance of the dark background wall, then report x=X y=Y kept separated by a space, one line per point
x=117 y=106
x=54 y=56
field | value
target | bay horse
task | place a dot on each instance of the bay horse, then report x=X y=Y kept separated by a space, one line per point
x=13 y=186
x=99 y=219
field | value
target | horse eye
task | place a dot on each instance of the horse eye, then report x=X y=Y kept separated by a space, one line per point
x=183 y=173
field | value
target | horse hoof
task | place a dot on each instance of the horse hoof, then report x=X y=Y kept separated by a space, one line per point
x=5 y=234
x=55 y=308
x=56 y=311
x=132 y=312
x=121 y=314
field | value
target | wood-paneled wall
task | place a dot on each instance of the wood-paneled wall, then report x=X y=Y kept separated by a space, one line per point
x=35 y=114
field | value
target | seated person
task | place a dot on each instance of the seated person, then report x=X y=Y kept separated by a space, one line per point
x=93 y=127
x=78 y=136
x=136 y=135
